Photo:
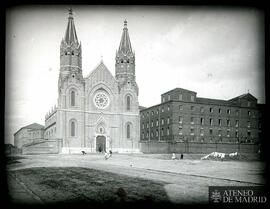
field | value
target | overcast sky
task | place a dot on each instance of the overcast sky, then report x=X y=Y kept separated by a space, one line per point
x=217 y=52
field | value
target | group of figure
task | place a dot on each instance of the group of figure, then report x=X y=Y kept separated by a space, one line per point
x=174 y=156
x=107 y=155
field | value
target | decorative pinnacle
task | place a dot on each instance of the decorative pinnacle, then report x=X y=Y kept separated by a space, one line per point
x=125 y=23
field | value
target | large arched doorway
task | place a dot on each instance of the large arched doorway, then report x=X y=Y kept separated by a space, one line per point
x=101 y=143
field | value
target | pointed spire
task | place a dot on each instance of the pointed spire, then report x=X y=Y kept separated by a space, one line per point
x=71 y=35
x=125 y=45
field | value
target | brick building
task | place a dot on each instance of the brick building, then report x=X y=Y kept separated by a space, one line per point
x=28 y=134
x=182 y=116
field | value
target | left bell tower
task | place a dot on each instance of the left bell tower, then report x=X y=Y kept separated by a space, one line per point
x=70 y=51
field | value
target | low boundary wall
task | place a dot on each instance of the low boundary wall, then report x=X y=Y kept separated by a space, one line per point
x=52 y=146
x=197 y=147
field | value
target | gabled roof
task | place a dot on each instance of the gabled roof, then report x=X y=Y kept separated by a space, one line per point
x=100 y=67
x=211 y=101
x=142 y=108
x=101 y=76
x=243 y=96
x=179 y=89
x=33 y=126
x=125 y=45
x=70 y=35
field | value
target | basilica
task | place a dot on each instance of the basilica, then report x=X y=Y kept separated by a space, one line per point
x=99 y=112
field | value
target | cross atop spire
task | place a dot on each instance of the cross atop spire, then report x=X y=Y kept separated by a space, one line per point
x=71 y=35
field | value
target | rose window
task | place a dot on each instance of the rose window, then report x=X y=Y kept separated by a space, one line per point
x=101 y=100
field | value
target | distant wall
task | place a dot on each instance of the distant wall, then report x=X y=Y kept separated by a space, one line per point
x=43 y=147
x=13 y=151
x=197 y=147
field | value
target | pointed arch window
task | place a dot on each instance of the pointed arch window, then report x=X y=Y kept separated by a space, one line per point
x=128 y=103
x=72 y=128
x=72 y=98
x=128 y=131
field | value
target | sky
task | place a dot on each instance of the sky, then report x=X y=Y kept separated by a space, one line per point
x=217 y=52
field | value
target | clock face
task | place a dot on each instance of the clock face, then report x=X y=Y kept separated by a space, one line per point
x=101 y=100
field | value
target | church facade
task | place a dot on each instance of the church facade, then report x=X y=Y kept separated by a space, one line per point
x=99 y=112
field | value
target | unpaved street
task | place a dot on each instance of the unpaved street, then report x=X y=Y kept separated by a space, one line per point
x=185 y=180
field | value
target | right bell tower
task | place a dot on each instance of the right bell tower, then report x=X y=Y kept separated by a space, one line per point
x=125 y=61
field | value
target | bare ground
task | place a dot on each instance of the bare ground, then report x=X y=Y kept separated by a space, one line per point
x=185 y=181
x=74 y=184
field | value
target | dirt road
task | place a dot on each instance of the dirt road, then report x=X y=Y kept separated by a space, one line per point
x=186 y=181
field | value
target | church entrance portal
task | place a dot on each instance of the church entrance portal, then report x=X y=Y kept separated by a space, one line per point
x=101 y=144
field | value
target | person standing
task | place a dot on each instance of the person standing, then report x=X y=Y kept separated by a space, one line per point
x=181 y=156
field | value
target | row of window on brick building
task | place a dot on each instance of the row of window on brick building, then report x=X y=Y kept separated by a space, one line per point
x=192 y=133
x=202 y=110
x=34 y=134
x=192 y=121
x=50 y=132
x=157 y=133
x=180 y=98
x=192 y=99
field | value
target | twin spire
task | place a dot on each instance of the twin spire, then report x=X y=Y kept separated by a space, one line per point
x=71 y=35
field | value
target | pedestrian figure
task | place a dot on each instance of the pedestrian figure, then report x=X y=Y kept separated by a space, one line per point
x=181 y=156
x=173 y=156
x=107 y=155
